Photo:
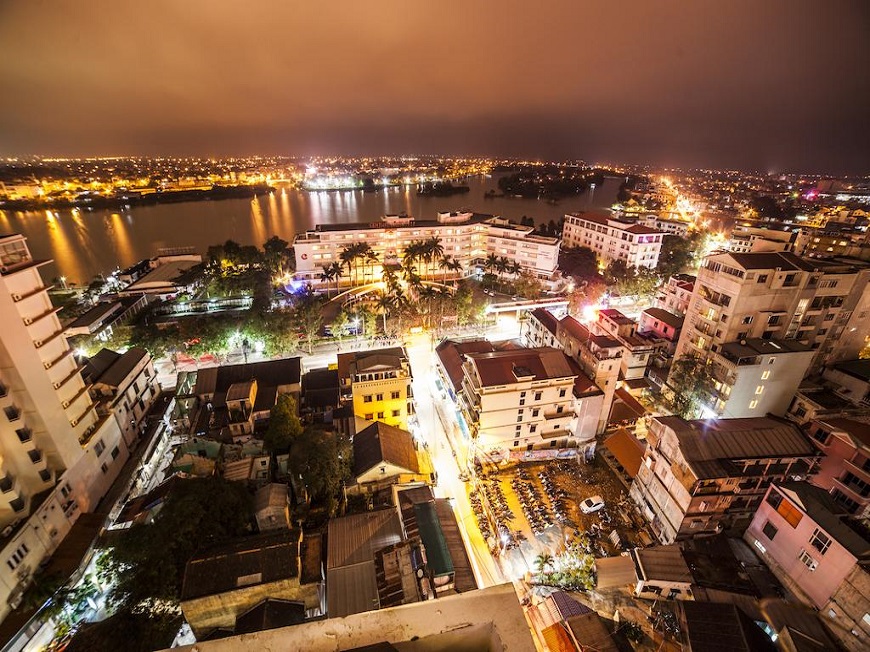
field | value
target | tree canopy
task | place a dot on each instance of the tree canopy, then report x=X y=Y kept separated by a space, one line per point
x=323 y=459
x=690 y=381
x=284 y=425
x=147 y=561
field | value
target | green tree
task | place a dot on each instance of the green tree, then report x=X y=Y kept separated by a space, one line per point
x=691 y=384
x=581 y=262
x=543 y=562
x=679 y=254
x=308 y=311
x=276 y=252
x=146 y=562
x=323 y=459
x=528 y=286
x=284 y=425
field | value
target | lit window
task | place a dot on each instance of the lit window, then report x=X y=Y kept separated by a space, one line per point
x=759 y=389
x=753 y=405
x=765 y=375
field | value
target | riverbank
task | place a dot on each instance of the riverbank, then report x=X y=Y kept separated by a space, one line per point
x=126 y=200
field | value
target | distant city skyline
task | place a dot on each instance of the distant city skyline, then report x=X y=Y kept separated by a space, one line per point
x=773 y=87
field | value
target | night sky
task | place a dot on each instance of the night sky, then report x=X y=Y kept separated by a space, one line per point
x=766 y=85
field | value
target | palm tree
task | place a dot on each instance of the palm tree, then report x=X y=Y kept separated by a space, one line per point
x=434 y=249
x=543 y=561
x=371 y=258
x=515 y=268
x=428 y=293
x=337 y=270
x=501 y=266
x=455 y=266
x=444 y=264
x=385 y=305
x=326 y=276
x=347 y=256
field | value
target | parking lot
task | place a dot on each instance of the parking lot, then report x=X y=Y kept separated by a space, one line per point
x=531 y=509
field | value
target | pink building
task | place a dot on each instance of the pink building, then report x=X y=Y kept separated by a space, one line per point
x=807 y=540
x=845 y=469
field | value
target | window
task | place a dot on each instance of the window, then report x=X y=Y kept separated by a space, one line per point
x=395 y=395
x=535 y=412
x=99 y=448
x=396 y=413
x=562 y=393
x=759 y=389
x=522 y=401
x=380 y=415
x=808 y=561
x=769 y=530
x=762 y=278
x=560 y=409
x=747 y=320
x=516 y=443
x=367 y=398
x=518 y=427
x=538 y=395
x=765 y=375
x=370 y=416
x=115 y=452
x=379 y=397
x=820 y=541
x=519 y=418
x=104 y=468
x=753 y=404
x=533 y=427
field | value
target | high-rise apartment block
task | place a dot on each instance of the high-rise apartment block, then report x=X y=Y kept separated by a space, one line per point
x=58 y=454
x=778 y=296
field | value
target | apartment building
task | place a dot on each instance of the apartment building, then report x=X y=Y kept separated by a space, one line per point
x=701 y=477
x=125 y=385
x=777 y=296
x=57 y=453
x=378 y=384
x=520 y=399
x=669 y=226
x=756 y=377
x=599 y=357
x=813 y=547
x=844 y=471
x=676 y=294
x=638 y=349
x=664 y=325
x=466 y=237
x=611 y=239
x=750 y=239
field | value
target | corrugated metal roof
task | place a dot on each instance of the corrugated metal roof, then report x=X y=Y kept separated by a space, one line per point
x=354 y=539
x=614 y=572
x=351 y=589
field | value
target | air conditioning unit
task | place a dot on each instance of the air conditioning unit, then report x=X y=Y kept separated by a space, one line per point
x=52 y=532
x=56 y=385
x=37 y=343
x=28 y=321
x=65 y=404
x=7 y=531
x=737 y=489
x=15 y=602
x=15 y=295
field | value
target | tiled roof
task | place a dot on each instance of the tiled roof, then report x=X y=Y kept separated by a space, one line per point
x=505 y=367
x=857 y=430
x=627 y=449
x=452 y=355
x=719 y=440
x=270 y=373
x=249 y=561
x=349 y=362
x=665 y=316
x=379 y=443
x=546 y=318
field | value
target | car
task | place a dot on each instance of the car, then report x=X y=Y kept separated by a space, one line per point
x=592 y=504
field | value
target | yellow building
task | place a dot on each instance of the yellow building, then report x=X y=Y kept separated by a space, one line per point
x=379 y=384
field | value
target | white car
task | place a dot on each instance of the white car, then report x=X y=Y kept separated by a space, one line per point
x=592 y=504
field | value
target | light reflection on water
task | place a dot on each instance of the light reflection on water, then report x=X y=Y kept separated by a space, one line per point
x=86 y=243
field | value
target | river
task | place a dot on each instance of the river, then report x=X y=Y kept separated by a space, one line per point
x=86 y=243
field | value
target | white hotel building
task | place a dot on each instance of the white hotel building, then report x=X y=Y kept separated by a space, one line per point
x=467 y=237
x=637 y=245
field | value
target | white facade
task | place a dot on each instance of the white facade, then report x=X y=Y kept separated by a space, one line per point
x=53 y=443
x=746 y=239
x=637 y=245
x=757 y=377
x=466 y=237
x=524 y=400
